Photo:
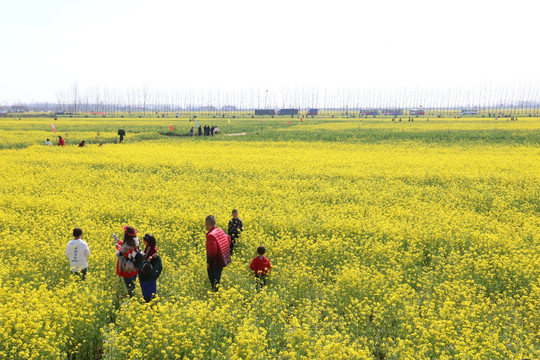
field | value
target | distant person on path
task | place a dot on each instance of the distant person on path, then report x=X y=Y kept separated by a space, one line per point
x=260 y=265
x=48 y=142
x=234 y=229
x=149 y=271
x=212 y=130
x=77 y=251
x=200 y=131
x=61 y=141
x=216 y=130
x=218 y=251
x=82 y=143
x=127 y=258
x=192 y=132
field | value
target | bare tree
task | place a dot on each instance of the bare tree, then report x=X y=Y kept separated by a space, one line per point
x=75 y=97
x=144 y=96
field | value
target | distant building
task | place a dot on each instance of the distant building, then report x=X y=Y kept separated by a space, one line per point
x=19 y=108
x=208 y=108
x=228 y=108
x=313 y=112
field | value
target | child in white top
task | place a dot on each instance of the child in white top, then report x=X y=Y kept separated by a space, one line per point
x=77 y=251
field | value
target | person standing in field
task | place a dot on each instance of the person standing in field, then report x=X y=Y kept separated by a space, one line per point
x=61 y=141
x=126 y=254
x=121 y=133
x=260 y=265
x=234 y=229
x=48 y=142
x=191 y=132
x=200 y=131
x=218 y=251
x=77 y=251
x=149 y=271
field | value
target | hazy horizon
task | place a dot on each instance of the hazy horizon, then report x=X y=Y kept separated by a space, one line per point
x=422 y=47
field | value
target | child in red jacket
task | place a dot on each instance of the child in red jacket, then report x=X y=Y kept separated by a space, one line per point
x=260 y=266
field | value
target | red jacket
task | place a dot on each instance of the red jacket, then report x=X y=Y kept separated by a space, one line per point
x=149 y=251
x=61 y=142
x=260 y=266
x=218 y=248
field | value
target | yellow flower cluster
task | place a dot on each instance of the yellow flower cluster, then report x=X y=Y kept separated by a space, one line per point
x=379 y=251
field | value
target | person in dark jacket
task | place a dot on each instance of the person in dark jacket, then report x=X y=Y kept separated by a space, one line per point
x=218 y=251
x=149 y=272
x=121 y=133
x=234 y=229
x=200 y=130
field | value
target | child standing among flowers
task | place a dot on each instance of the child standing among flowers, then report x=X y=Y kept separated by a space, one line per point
x=235 y=228
x=260 y=266
x=77 y=252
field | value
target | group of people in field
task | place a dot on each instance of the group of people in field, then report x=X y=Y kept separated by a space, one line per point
x=62 y=142
x=133 y=262
x=205 y=130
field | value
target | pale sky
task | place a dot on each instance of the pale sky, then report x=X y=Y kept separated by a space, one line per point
x=223 y=45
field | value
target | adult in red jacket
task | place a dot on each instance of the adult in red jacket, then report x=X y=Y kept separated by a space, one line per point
x=218 y=251
x=61 y=141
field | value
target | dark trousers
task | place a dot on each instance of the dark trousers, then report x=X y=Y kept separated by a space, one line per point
x=81 y=274
x=260 y=281
x=149 y=289
x=234 y=237
x=130 y=284
x=214 y=275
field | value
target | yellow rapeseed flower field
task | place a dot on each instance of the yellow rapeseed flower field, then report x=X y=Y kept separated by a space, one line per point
x=382 y=247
